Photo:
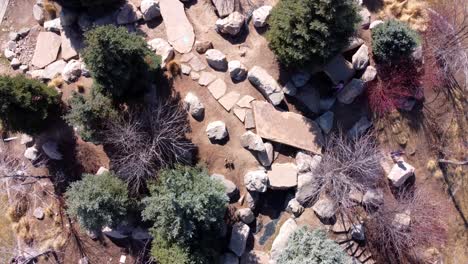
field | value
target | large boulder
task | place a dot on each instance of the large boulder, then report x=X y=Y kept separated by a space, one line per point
x=295 y=207
x=306 y=163
x=50 y=148
x=282 y=176
x=266 y=157
x=162 y=48
x=307 y=186
x=216 y=59
x=325 y=209
x=399 y=173
x=309 y=97
x=232 y=24
x=127 y=14
x=256 y=181
x=53 y=70
x=72 y=71
x=245 y=215
x=267 y=85
x=150 y=9
x=360 y=59
x=240 y=233
x=217 y=131
x=251 y=141
x=281 y=240
x=260 y=16
x=325 y=121
x=352 y=90
x=223 y=7
x=195 y=106
x=231 y=188
x=237 y=70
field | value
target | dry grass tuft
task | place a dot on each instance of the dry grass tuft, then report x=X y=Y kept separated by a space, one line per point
x=23 y=230
x=18 y=210
x=56 y=82
x=412 y=12
x=50 y=8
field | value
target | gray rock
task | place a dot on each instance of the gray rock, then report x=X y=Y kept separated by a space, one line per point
x=72 y=71
x=38 y=14
x=309 y=96
x=266 y=157
x=417 y=54
x=13 y=36
x=223 y=8
x=360 y=59
x=11 y=45
x=325 y=121
x=351 y=91
x=216 y=59
x=402 y=221
x=239 y=235
x=326 y=104
x=324 y=208
x=231 y=188
x=229 y=258
x=306 y=163
x=339 y=69
x=260 y=16
x=15 y=63
x=202 y=46
x=369 y=74
x=232 y=24
x=360 y=127
x=195 y=106
x=9 y=54
x=50 y=148
x=251 y=141
x=251 y=198
x=217 y=131
x=400 y=172
x=307 y=186
x=281 y=240
x=358 y=233
x=290 y=89
x=38 y=213
x=23 y=32
x=256 y=181
x=54 y=25
x=53 y=70
x=295 y=207
x=163 y=49
x=246 y=215
x=150 y=9
x=365 y=17
x=31 y=153
x=373 y=198
x=237 y=70
x=185 y=69
x=127 y=14
x=354 y=43
x=26 y=139
x=300 y=78
x=375 y=23
x=266 y=84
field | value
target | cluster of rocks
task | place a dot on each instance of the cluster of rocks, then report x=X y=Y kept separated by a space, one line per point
x=232 y=22
x=49 y=148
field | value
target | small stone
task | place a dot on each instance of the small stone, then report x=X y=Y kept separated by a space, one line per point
x=127 y=14
x=266 y=157
x=229 y=100
x=194 y=76
x=31 y=153
x=351 y=91
x=216 y=59
x=195 y=106
x=249 y=121
x=216 y=131
x=163 y=49
x=256 y=181
x=102 y=170
x=13 y=36
x=202 y=46
x=260 y=16
x=360 y=59
x=231 y=188
x=23 y=32
x=360 y=127
x=150 y=9
x=295 y=207
x=326 y=104
x=355 y=195
x=231 y=25
x=373 y=198
x=15 y=63
x=357 y=233
x=26 y=139
x=206 y=78
x=306 y=163
x=365 y=17
x=50 y=148
x=252 y=142
x=185 y=69
x=400 y=172
x=38 y=213
x=402 y=221
x=83 y=260
x=53 y=70
x=246 y=215
x=300 y=78
x=375 y=23
x=24 y=68
x=9 y=54
x=369 y=74
x=237 y=70
x=72 y=71
x=217 y=88
x=354 y=43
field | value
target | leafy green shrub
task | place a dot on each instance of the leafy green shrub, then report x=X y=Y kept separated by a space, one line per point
x=185 y=203
x=88 y=114
x=305 y=247
x=304 y=31
x=119 y=61
x=97 y=200
x=393 y=41
x=168 y=253
x=88 y=3
x=25 y=104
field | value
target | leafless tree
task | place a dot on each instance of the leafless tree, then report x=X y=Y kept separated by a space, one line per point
x=145 y=141
x=347 y=164
x=396 y=241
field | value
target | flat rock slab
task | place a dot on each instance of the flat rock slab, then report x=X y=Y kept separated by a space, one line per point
x=197 y=64
x=240 y=113
x=224 y=7
x=178 y=28
x=287 y=128
x=206 y=78
x=282 y=176
x=217 y=88
x=229 y=100
x=339 y=69
x=70 y=45
x=245 y=101
x=47 y=48
x=309 y=96
x=54 y=69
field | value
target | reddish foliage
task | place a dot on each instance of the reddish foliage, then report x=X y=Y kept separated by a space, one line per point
x=394 y=85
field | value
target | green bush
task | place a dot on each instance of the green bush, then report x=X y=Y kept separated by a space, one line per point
x=185 y=203
x=97 y=201
x=393 y=41
x=88 y=3
x=305 y=31
x=119 y=61
x=88 y=114
x=168 y=253
x=25 y=104
x=306 y=247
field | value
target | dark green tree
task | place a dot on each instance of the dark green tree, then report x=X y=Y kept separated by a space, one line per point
x=25 y=104
x=97 y=201
x=393 y=41
x=119 y=61
x=305 y=31
x=90 y=114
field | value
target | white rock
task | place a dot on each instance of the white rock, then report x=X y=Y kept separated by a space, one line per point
x=195 y=106
x=375 y=24
x=252 y=141
x=373 y=198
x=15 y=63
x=26 y=139
x=185 y=69
x=239 y=235
x=53 y=69
x=216 y=130
x=282 y=176
x=256 y=181
x=216 y=59
x=369 y=74
x=38 y=14
x=399 y=173
x=305 y=163
x=324 y=208
x=402 y=221
x=365 y=17
x=9 y=54
x=24 y=68
x=267 y=85
x=281 y=240
x=53 y=25
x=307 y=186
x=31 y=153
x=261 y=15
x=38 y=213
x=245 y=215
x=150 y=9
x=163 y=49
x=102 y=170
x=360 y=59
x=72 y=71
x=237 y=70
x=295 y=207
x=266 y=157
x=231 y=189
x=232 y=24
